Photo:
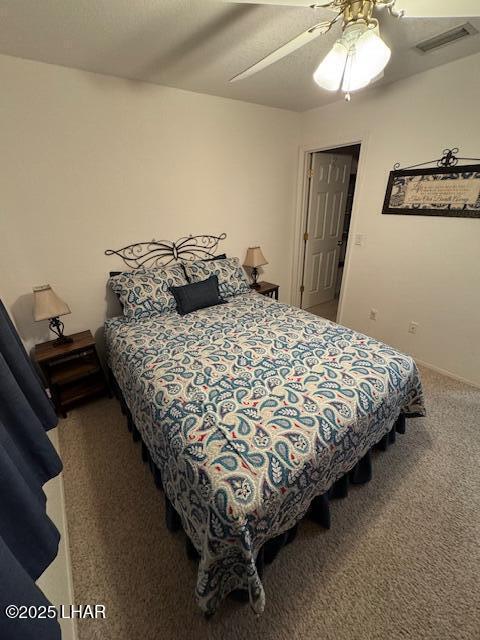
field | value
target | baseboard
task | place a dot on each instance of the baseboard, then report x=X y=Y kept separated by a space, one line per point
x=446 y=373
x=72 y=631
x=57 y=582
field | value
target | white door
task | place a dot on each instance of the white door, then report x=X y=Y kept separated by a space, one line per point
x=330 y=176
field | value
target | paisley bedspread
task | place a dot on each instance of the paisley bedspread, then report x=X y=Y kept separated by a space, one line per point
x=251 y=409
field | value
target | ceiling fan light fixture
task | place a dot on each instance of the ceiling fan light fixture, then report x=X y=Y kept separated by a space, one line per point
x=356 y=59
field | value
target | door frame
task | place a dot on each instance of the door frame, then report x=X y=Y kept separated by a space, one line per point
x=302 y=206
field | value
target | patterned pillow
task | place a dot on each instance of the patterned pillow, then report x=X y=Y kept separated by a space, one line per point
x=145 y=292
x=232 y=279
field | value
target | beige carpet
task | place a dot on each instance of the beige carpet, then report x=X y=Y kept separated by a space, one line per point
x=326 y=310
x=401 y=561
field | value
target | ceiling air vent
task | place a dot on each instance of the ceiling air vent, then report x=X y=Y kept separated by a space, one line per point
x=447 y=37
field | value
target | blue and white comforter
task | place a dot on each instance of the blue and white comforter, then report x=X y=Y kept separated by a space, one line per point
x=251 y=409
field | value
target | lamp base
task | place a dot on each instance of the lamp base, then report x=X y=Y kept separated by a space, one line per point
x=56 y=326
x=255 y=284
x=62 y=340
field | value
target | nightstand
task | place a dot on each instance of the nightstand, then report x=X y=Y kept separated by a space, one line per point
x=73 y=371
x=267 y=289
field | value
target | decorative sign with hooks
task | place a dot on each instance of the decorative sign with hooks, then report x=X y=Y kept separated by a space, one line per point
x=447 y=190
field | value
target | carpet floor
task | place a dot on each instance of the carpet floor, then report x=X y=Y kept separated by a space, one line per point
x=326 y=310
x=401 y=561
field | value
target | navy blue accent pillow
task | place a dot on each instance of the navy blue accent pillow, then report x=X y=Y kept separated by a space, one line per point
x=199 y=295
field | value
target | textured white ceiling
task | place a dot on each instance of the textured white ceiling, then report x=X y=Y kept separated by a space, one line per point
x=199 y=44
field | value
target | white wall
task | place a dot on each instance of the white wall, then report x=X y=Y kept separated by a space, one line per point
x=411 y=267
x=90 y=162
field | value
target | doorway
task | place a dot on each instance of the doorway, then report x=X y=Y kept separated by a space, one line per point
x=332 y=176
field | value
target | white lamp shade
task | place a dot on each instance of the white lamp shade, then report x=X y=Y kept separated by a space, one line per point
x=254 y=258
x=46 y=304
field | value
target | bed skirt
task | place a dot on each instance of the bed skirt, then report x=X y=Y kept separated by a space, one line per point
x=319 y=510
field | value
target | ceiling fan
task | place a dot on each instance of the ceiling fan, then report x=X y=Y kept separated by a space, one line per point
x=359 y=56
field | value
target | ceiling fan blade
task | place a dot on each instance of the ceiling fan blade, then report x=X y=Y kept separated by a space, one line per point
x=285 y=3
x=439 y=8
x=291 y=46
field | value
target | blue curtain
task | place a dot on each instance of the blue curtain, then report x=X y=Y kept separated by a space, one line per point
x=28 y=538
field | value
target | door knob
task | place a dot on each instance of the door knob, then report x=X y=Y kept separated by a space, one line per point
x=339 y=243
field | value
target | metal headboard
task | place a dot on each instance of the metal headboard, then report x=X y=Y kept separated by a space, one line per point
x=162 y=253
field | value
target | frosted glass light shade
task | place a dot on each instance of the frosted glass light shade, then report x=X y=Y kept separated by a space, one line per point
x=358 y=57
x=366 y=60
x=254 y=258
x=329 y=74
x=46 y=304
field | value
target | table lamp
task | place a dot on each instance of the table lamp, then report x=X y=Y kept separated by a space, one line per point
x=254 y=259
x=48 y=306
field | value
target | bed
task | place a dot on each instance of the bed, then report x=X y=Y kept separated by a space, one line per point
x=251 y=411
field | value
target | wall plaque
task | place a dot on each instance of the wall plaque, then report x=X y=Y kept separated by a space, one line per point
x=447 y=190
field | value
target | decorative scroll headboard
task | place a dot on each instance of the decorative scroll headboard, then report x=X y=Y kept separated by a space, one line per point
x=162 y=253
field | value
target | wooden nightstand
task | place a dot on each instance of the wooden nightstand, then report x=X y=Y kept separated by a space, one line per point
x=267 y=289
x=72 y=371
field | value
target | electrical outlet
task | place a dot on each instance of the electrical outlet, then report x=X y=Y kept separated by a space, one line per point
x=412 y=327
x=373 y=314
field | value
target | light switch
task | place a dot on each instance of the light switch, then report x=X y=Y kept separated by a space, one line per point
x=359 y=239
